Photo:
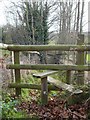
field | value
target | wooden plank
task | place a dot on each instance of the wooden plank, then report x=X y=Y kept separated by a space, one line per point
x=47 y=47
x=64 y=86
x=60 y=84
x=50 y=67
x=44 y=74
x=17 y=72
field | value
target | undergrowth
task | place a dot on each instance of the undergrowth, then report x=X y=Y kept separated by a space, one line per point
x=10 y=102
x=9 y=107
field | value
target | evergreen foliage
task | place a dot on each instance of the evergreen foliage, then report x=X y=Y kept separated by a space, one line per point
x=35 y=18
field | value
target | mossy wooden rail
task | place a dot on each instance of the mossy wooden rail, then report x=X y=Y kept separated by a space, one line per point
x=47 y=47
x=49 y=67
x=44 y=85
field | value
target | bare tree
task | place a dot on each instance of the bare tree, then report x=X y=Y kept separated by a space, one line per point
x=78 y=16
x=82 y=12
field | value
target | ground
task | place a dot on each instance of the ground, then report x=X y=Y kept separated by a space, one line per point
x=56 y=109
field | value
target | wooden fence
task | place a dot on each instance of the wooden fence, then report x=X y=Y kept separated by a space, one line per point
x=80 y=67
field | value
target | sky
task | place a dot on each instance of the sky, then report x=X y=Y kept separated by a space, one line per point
x=89 y=16
x=6 y=3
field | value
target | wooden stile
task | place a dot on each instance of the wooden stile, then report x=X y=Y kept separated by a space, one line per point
x=55 y=84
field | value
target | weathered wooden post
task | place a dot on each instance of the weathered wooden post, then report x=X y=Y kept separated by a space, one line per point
x=44 y=91
x=12 y=61
x=17 y=72
x=68 y=76
x=68 y=73
x=80 y=60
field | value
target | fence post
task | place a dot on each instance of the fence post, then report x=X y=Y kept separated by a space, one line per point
x=68 y=76
x=80 y=60
x=17 y=72
x=44 y=91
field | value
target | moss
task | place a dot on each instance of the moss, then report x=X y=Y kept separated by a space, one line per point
x=49 y=67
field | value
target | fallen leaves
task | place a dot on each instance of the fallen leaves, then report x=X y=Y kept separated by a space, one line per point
x=54 y=110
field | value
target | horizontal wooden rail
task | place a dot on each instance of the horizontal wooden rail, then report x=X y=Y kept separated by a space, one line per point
x=46 y=47
x=50 y=67
x=32 y=86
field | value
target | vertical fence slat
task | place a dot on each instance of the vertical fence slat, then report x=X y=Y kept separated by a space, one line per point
x=44 y=91
x=80 y=60
x=17 y=72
